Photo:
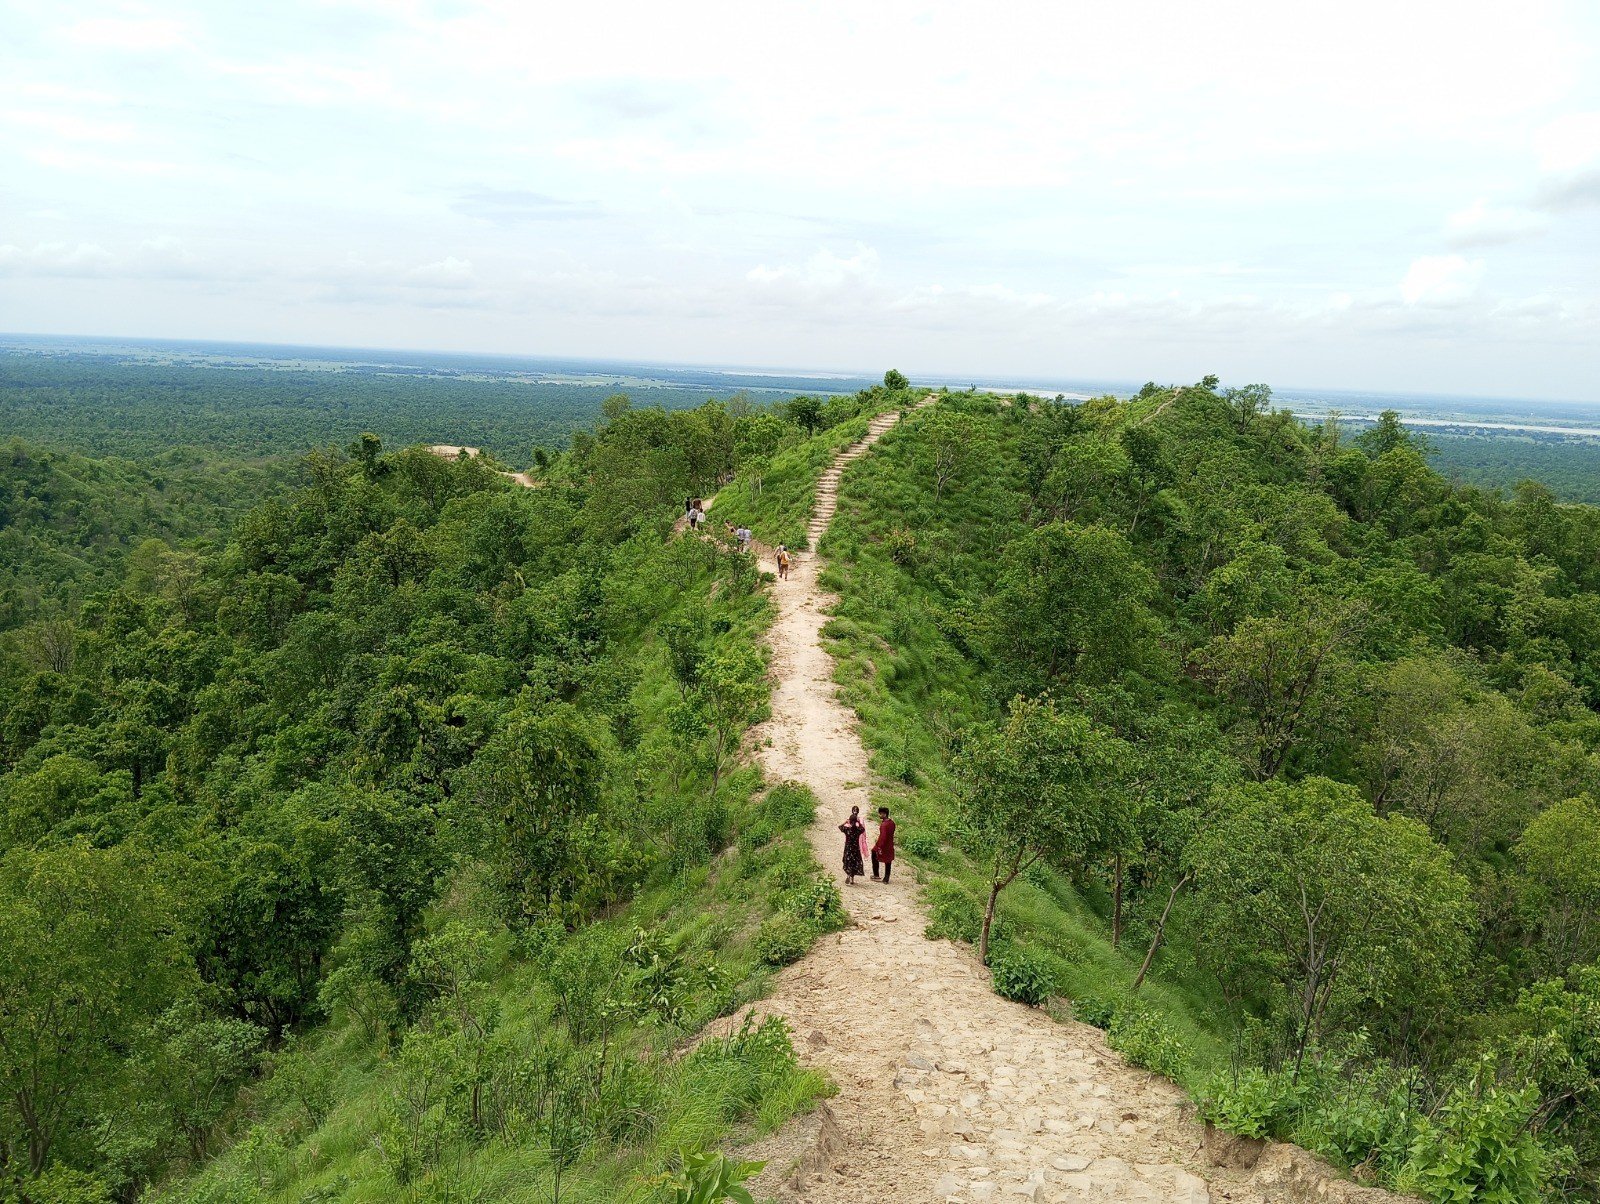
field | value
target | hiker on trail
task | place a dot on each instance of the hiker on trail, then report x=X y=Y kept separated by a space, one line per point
x=854 y=833
x=883 y=849
x=783 y=563
x=744 y=535
x=697 y=514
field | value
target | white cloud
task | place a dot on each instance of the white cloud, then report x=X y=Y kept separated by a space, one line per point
x=54 y=259
x=1434 y=279
x=1440 y=279
x=139 y=34
x=69 y=126
x=823 y=272
x=1481 y=224
x=448 y=272
x=923 y=176
x=1568 y=143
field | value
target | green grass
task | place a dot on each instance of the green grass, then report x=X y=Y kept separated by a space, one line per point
x=775 y=499
x=909 y=569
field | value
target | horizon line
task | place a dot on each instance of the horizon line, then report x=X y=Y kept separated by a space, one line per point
x=941 y=378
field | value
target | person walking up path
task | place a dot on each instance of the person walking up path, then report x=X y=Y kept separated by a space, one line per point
x=883 y=847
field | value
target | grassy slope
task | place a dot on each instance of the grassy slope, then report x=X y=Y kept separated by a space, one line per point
x=775 y=500
x=913 y=688
x=709 y=914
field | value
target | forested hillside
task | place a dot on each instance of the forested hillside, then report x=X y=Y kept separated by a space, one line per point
x=68 y=524
x=392 y=849
x=394 y=842
x=1275 y=750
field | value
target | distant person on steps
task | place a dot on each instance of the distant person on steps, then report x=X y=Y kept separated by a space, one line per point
x=783 y=563
x=883 y=848
x=854 y=833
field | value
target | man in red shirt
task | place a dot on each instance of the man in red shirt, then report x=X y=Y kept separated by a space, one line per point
x=883 y=850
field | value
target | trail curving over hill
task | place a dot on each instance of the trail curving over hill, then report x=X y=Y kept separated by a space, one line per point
x=948 y=1092
x=455 y=451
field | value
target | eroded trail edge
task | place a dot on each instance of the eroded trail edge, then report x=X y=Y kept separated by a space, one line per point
x=948 y=1092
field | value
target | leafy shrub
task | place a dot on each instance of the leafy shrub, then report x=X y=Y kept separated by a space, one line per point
x=352 y=992
x=818 y=902
x=658 y=982
x=233 y=1187
x=901 y=544
x=1144 y=1037
x=1365 y=1117
x=918 y=844
x=953 y=914
x=1250 y=1102
x=62 y=1185
x=1022 y=974
x=1039 y=874
x=1095 y=1009
x=710 y=1179
x=789 y=805
x=784 y=938
x=301 y=1082
x=1478 y=1150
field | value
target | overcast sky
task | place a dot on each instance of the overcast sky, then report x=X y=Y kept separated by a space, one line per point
x=1393 y=195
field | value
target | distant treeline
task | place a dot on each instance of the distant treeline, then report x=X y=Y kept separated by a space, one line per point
x=98 y=407
x=1569 y=468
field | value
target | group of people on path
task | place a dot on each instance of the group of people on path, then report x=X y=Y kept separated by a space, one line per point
x=856 y=851
x=694 y=512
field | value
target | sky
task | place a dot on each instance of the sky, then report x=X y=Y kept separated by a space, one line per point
x=1397 y=195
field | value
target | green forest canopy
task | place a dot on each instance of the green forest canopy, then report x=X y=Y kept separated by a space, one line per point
x=373 y=799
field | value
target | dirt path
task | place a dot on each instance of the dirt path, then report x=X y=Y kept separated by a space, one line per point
x=948 y=1093
x=453 y=451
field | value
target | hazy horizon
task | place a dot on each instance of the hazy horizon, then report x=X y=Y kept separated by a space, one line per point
x=1387 y=197
x=849 y=378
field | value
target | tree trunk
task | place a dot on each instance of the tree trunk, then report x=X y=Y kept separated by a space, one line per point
x=1161 y=928
x=988 y=919
x=1116 y=902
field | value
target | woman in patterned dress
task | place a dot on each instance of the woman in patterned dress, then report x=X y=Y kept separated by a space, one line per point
x=853 y=830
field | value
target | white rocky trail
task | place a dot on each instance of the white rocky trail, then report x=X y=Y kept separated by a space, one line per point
x=947 y=1092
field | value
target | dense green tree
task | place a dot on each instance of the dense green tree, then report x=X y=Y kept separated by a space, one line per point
x=1560 y=855
x=539 y=784
x=1279 y=676
x=1070 y=606
x=273 y=917
x=807 y=412
x=1038 y=787
x=89 y=957
x=955 y=443
x=729 y=689
x=394 y=854
x=1335 y=909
